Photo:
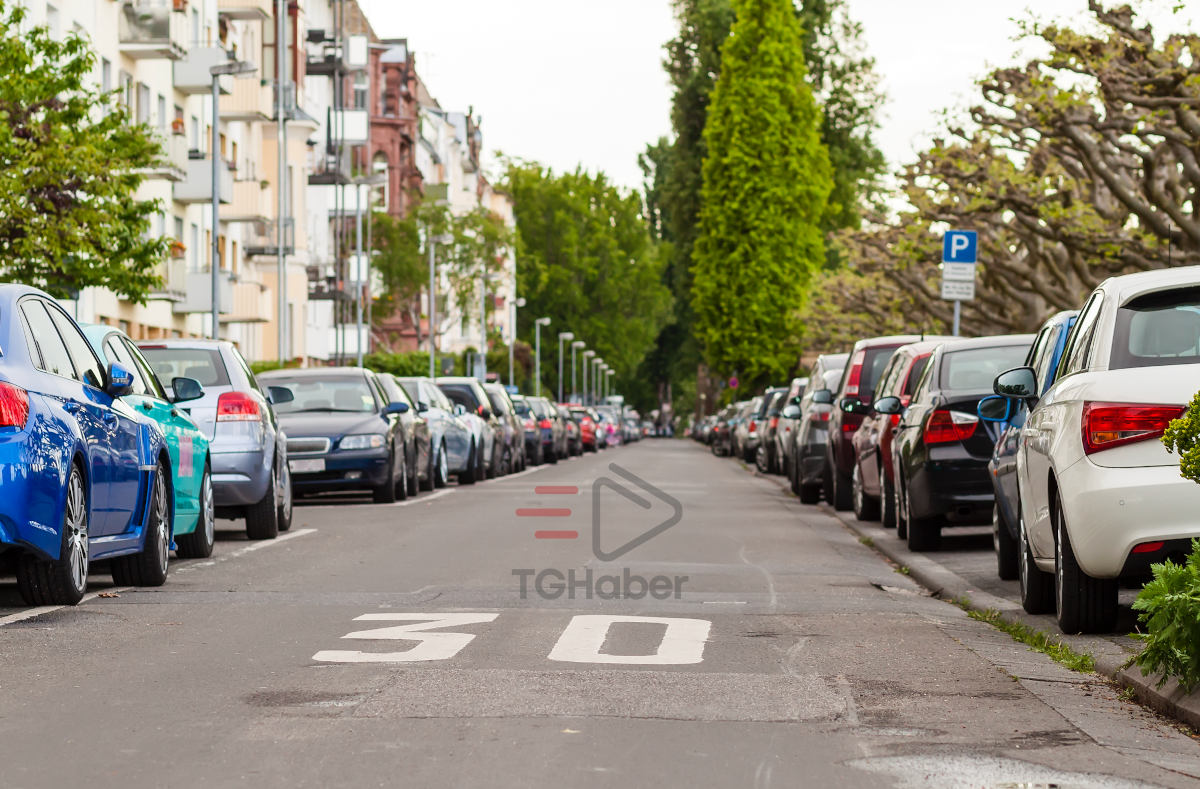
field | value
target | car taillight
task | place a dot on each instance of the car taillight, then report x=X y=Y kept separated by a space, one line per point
x=945 y=427
x=848 y=428
x=821 y=416
x=753 y=426
x=774 y=423
x=529 y=424
x=545 y=423
x=895 y=420
x=237 y=407
x=14 y=406
x=1109 y=425
x=856 y=367
x=479 y=410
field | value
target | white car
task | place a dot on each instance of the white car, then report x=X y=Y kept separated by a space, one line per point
x=1100 y=497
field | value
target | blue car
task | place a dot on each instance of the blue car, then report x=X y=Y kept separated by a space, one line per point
x=1009 y=416
x=83 y=476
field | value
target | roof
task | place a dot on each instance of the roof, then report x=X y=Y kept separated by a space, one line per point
x=314 y=372
x=997 y=341
x=1129 y=286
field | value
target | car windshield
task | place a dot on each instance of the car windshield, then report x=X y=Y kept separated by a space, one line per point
x=974 y=369
x=203 y=364
x=1158 y=329
x=349 y=395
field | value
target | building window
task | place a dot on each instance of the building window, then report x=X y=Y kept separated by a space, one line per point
x=194 y=257
x=162 y=113
x=362 y=90
x=195 y=144
x=143 y=103
x=52 y=22
x=126 y=86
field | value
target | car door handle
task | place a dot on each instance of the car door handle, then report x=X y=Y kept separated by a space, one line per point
x=72 y=407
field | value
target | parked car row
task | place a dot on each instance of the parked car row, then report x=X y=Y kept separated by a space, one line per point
x=1051 y=438
x=117 y=452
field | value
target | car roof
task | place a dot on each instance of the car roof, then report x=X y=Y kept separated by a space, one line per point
x=997 y=341
x=315 y=372
x=1128 y=286
x=895 y=339
x=924 y=346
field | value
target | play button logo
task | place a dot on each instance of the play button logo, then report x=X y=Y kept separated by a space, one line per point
x=643 y=494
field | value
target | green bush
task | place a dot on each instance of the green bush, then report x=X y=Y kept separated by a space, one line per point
x=1183 y=436
x=402 y=364
x=1169 y=606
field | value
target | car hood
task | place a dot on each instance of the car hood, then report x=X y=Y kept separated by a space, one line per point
x=330 y=424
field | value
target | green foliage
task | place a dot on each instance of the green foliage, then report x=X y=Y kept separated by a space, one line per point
x=766 y=183
x=273 y=364
x=414 y=363
x=1036 y=640
x=1183 y=436
x=1169 y=606
x=70 y=165
x=589 y=264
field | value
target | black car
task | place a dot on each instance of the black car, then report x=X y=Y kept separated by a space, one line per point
x=514 y=431
x=766 y=456
x=344 y=433
x=941 y=448
x=534 y=449
x=470 y=394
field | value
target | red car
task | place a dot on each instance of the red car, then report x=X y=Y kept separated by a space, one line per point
x=587 y=427
x=873 y=479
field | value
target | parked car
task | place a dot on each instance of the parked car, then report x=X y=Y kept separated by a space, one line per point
x=88 y=476
x=807 y=464
x=765 y=456
x=460 y=434
x=534 y=448
x=856 y=390
x=514 y=432
x=574 y=437
x=1043 y=358
x=722 y=442
x=941 y=449
x=552 y=428
x=422 y=455
x=193 y=517
x=587 y=427
x=610 y=424
x=741 y=426
x=1101 y=498
x=789 y=421
x=247 y=448
x=343 y=433
x=873 y=481
x=469 y=393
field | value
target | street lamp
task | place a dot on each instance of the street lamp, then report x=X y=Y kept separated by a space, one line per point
x=597 y=363
x=537 y=355
x=608 y=374
x=575 y=346
x=444 y=238
x=588 y=356
x=362 y=273
x=562 y=335
x=601 y=380
x=238 y=67
x=512 y=335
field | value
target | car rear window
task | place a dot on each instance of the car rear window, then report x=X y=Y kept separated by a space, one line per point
x=1158 y=329
x=203 y=364
x=349 y=395
x=462 y=394
x=974 y=369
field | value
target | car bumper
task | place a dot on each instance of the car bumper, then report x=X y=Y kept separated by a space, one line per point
x=458 y=450
x=1110 y=510
x=240 y=478
x=960 y=491
x=33 y=500
x=343 y=471
x=810 y=459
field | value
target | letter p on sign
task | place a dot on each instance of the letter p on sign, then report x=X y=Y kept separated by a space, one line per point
x=959 y=246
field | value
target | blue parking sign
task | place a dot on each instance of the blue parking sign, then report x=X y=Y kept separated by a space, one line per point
x=960 y=246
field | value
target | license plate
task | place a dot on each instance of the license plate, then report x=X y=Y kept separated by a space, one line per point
x=306 y=466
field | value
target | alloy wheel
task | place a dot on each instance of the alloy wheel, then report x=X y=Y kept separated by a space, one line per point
x=77 y=531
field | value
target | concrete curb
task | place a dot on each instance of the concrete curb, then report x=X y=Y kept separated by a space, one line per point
x=948 y=585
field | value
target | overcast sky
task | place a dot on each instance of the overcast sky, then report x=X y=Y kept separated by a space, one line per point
x=570 y=82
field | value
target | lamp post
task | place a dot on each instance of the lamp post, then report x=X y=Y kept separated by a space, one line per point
x=562 y=335
x=239 y=67
x=362 y=271
x=512 y=335
x=433 y=240
x=588 y=357
x=597 y=363
x=578 y=345
x=537 y=355
x=608 y=381
x=601 y=380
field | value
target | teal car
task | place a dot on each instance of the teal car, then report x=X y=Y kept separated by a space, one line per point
x=186 y=444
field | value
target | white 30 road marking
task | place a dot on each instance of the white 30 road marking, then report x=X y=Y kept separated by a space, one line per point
x=432 y=646
x=682 y=642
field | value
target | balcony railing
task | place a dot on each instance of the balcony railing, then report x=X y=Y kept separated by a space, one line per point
x=192 y=75
x=174 y=275
x=198 y=297
x=152 y=29
x=252 y=10
x=173 y=165
x=323 y=169
x=196 y=187
x=264 y=239
x=327 y=58
x=252 y=100
x=249 y=202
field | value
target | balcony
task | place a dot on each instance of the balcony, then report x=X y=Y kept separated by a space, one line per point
x=252 y=100
x=192 y=75
x=250 y=10
x=174 y=274
x=198 y=296
x=152 y=29
x=323 y=170
x=173 y=166
x=251 y=302
x=351 y=127
x=196 y=187
x=328 y=58
x=249 y=202
x=264 y=239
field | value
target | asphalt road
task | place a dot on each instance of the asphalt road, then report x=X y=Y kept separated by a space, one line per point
x=790 y=655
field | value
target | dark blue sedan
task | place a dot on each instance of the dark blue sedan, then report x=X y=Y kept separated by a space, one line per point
x=83 y=477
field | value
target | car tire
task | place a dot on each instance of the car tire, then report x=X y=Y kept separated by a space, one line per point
x=262 y=517
x=760 y=461
x=827 y=484
x=441 y=471
x=843 y=494
x=1037 y=587
x=552 y=457
x=1008 y=563
x=901 y=515
x=62 y=581
x=199 y=544
x=887 y=503
x=1085 y=604
x=469 y=476
x=402 y=483
x=414 y=474
x=288 y=498
x=386 y=493
x=865 y=507
x=429 y=483
x=794 y=481
x=148 y=567
x=924 y=534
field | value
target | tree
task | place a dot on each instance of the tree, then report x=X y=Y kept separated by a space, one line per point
x=588 y=262
x=71 y=163
x=766 y=183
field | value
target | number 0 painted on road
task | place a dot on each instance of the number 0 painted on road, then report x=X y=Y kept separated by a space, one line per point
x=682 y=642
x=432 y=646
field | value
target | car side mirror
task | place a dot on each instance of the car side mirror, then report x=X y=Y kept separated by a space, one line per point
x=120 y=380
x=185 y=389
x=278 y=395
x=790 y=411
x=459 y=409
x=485 y=413
x=994 y=409
x=889 y=406
x=395 y=408
x=852 y=405
x=823 y=397
x=1020 y=382
x=422 y=407
x=796 y=400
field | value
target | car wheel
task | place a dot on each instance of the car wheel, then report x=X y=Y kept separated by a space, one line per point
x=552 y=456
x=827 y=483
x=285 y=500
x=1007 y=562
x=865 y=507
x=262 y=517
x=199 y=544
x=386 y=493
x=441 y=472
x=469 y=476
x=842 y=491
x=887 y=506
x=149 y=566
x=924 y=534
x=1037 y=587
x=794 y=479
x=1085 y=604
x=402 y=482
x=760 y=460
x=414 y=475
x=62 y=581
x=901 y=514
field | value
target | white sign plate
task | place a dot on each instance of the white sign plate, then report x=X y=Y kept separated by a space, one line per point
x=953 y=290
x=959 y=272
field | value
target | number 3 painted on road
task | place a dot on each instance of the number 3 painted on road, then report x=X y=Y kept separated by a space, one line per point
x=433 y=646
